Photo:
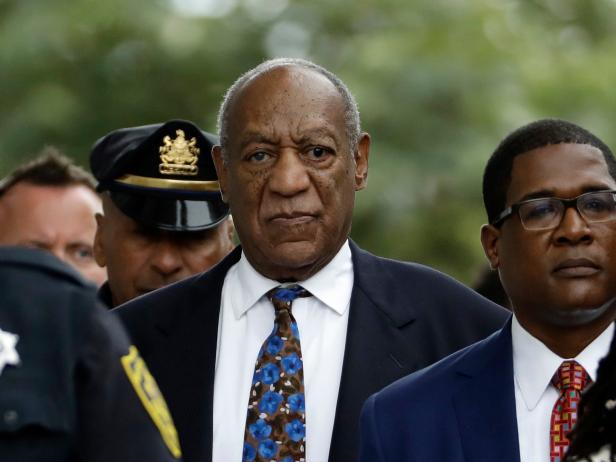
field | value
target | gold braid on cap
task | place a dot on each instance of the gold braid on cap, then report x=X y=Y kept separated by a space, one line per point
x=167 y=183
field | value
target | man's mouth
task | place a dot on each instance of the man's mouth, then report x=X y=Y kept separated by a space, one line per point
x=576 y=267
x=293 y=218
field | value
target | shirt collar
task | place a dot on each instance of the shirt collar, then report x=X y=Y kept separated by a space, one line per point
x=332 y=285
x=534 y=364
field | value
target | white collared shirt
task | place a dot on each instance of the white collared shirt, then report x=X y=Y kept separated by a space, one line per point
x=246 y=320
x=534 y=364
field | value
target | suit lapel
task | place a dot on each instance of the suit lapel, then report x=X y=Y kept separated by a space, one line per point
x=375 y=352
x=190 y=356
x=485 y=403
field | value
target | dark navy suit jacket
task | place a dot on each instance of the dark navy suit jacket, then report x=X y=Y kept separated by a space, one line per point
x=461 y=409
x=402 y=318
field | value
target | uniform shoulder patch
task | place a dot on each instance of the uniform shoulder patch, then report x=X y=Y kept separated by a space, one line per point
x=151 y=398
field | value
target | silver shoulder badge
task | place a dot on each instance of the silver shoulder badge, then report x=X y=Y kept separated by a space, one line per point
x=8 y=353
x=179 y=156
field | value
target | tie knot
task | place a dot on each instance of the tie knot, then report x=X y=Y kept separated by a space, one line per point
x=571 y=375
x=283 y=296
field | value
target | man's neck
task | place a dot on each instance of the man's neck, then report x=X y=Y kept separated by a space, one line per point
x=567 y=341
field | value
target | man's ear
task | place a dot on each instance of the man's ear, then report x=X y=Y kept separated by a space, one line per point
x=221 y=169
x=361 y=161
x=99 y=248
x=489 y=240
x=230 y=228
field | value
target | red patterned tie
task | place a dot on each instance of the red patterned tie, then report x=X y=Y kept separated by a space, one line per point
x=570 y=379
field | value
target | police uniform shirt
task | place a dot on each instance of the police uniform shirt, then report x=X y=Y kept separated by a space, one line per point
x=71 y=386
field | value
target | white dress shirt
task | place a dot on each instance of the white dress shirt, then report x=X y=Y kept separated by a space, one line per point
x=247 y=319
x=534 y=364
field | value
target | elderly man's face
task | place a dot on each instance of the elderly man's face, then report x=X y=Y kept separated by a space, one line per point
x=140 y=259
x=289 y=173
x=59 y=219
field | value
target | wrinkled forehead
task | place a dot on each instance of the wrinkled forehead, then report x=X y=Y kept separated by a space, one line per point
x=286 y=96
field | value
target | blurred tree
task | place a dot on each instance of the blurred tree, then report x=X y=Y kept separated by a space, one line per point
x=439 y=83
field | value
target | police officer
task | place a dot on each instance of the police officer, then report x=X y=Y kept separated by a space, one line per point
x=71 y=385
x=163 y=216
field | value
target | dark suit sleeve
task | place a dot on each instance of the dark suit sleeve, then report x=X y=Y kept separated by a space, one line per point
x=369 y=444
x=121 y=414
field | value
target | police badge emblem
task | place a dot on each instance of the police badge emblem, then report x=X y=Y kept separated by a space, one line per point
x=179 y=156
x=8 y=353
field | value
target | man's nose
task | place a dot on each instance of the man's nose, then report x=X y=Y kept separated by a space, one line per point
x=289 y=175
x=166 y=259
x=573 y=228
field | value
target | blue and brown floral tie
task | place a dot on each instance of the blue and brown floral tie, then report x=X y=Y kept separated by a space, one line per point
x=276 y=420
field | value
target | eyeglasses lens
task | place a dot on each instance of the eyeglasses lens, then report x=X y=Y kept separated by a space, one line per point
x=547 y=213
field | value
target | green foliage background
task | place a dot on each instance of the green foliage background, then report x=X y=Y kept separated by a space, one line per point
x=439 y=83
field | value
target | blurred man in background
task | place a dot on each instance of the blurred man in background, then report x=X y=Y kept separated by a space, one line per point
x=50 y=203
x=163 y=218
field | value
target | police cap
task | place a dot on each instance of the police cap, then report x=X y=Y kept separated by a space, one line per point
x=161 y=175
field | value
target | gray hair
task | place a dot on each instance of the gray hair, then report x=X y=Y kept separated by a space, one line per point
x=351 y=112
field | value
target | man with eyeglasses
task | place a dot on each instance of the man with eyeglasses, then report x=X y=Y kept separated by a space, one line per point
x=549 y=191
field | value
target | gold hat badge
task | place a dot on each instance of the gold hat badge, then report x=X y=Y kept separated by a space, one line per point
x=179 y=156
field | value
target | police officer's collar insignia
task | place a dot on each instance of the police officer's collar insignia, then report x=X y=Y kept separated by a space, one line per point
x=179 y=156
x=8 y=353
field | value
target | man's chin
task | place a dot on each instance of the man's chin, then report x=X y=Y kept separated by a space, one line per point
x=582 y=314
x=302 y=257
x=297 y=260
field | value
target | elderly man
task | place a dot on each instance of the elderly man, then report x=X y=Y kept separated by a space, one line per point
x=163 y=218
x=550 y=195
x=225 y=346
x=49 y=203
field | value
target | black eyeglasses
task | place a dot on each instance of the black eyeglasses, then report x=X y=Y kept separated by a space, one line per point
x=547 y=212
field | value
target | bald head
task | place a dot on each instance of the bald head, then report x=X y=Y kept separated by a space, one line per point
x=350 y=110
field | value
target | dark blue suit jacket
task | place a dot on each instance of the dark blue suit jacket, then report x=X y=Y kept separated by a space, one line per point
x=461 y=409
x=402 y=318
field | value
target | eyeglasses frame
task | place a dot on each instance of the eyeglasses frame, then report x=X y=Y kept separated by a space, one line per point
x=513 y=208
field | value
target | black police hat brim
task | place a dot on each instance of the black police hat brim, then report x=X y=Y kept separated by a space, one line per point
x=177 y=214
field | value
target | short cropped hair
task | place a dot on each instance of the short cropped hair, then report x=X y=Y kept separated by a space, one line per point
x=50 y=168
x=351 y=112
x=544 y=132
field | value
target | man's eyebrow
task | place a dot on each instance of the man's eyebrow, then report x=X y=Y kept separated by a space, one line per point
x=79 y=244
x=255 y=137
x=36 y=243
x=309 y=135
x=550 y=193
x=306 y=137
x=593 y=188
x=537 y=195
